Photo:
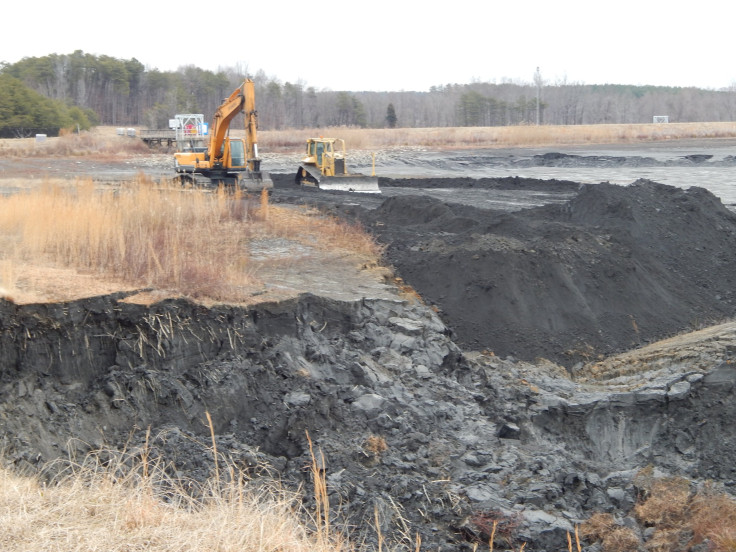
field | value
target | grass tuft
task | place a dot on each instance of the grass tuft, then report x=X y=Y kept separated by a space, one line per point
x=680 y=518
x=124 y=501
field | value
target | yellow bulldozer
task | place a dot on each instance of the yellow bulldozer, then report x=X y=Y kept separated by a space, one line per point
x=324 y=167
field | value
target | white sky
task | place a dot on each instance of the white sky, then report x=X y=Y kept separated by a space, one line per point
x=384 y=45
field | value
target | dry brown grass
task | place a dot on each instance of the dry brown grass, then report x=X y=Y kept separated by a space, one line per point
x=375 y=444
x=146 y=235
x=101 y=142
x=597 y=526
x=603 y=528
x=143 y=235
x=713 y=517
x=510 y=136
x=666 y=501
x=680 y=517
x=132 y=500
x=123 y=502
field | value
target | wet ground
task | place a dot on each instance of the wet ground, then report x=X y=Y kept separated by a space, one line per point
x=448 y=175
x=709 y=163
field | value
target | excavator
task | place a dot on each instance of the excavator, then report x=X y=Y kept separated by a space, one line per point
x=207 y=155
x=324 y=167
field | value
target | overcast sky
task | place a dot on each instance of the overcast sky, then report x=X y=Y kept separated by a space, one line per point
x=381 y=45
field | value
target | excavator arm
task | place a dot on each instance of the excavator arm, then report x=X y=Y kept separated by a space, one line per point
x=251 y=126
x=242 y=100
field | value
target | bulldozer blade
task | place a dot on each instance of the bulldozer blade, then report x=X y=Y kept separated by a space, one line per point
x=310 y=176
x=358 y=184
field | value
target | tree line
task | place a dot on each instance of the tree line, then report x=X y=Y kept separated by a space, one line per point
x=80 y=89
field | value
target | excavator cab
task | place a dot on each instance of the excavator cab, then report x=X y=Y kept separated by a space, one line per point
x=236 y=153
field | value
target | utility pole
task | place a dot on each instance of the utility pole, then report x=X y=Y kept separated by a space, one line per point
x=538 y=82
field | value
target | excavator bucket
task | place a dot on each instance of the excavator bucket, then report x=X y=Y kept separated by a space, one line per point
x=255 y=181
x=359 y=183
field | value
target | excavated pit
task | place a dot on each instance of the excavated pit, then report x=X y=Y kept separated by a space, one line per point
x=495 y=395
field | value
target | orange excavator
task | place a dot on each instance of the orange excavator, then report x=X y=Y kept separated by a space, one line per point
x=208 y=156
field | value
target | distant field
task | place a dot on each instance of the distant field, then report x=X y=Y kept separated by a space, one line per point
x=103 y=140
x=488 y=137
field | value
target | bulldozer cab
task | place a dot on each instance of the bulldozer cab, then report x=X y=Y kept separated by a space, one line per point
x=317 y=148
x=321 y=154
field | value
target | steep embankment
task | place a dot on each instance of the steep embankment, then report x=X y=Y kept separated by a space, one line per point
x=407 y=424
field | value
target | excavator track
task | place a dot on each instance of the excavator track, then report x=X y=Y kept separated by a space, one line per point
x=248 y=181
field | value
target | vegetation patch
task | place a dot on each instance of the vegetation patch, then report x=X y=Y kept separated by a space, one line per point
x=131 y=501
x=151 y=235
x=674 y=515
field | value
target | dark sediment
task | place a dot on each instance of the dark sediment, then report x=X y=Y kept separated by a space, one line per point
x=609 y=269
x=467 y=435
x=612 y=269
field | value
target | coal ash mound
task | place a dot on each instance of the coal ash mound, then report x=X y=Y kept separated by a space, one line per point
x=615 y=267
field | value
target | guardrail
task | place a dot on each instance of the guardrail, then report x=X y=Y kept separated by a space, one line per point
x=158 y=137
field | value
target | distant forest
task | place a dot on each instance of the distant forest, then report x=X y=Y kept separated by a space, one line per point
x=79 y=90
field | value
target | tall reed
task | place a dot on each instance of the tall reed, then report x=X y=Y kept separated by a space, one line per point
x=144 y=234
x=121 y=501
